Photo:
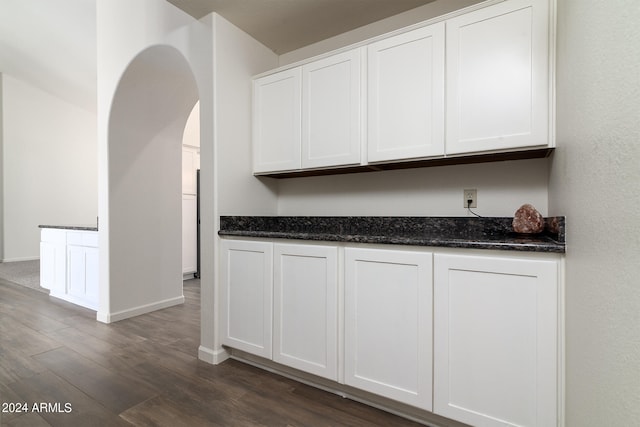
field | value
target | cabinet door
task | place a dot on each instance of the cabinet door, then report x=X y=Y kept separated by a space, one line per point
x=305 y=334
x=331 y=111
x=246 y=294
x=53 y=260
x=495 y=327
x=498 y=77
x=190 y=164
x=406 y=95
x=277 y=122
x=189 y=234
x=82 y=276
x=388 y=324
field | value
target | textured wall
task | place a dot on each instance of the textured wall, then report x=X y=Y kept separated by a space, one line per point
x=49 y=167
x=595 y=181
x=502 y=188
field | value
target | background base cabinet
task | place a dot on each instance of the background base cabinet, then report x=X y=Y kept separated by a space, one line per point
x=53 y=261
x=496 y=335
x=69 y=265
x=82 y=269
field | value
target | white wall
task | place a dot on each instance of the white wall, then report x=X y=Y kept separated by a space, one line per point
x=51 y=45
x=238 y=57
x=49 y=166
x=141 y=120
x=191 y=135
x=1 y=174
x=502 y=188
x=595 y=182
x=401 y=20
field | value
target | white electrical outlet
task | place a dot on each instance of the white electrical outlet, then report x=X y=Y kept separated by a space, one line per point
x=470 y=194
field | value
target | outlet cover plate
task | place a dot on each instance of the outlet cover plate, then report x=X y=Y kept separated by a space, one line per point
x=470 y=194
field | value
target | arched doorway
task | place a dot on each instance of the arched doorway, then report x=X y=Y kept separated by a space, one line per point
x=150 y=108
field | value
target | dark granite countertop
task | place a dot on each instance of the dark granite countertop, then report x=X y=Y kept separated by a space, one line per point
x=72 y=227
x=456 y=232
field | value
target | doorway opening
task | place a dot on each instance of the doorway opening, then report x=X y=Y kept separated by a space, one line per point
x=150 y=110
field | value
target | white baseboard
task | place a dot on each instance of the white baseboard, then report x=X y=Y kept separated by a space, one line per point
x=20 y=259
x=212 y=356
x=137 y=311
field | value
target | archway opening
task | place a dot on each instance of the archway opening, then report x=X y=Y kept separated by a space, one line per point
x=154 y=98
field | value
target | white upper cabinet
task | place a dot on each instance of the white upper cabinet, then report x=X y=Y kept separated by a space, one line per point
x=477 y=83
x=498 y=87
x=277 y=121
x=406 y=95
x=331 y=111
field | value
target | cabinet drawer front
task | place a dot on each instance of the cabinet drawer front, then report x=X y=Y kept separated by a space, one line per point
x=51 y=235
x=83 y=238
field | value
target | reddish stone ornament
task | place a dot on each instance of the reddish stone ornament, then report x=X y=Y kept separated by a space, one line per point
x=528 y=220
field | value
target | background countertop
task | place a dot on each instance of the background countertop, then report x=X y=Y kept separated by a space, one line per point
x=72 y=227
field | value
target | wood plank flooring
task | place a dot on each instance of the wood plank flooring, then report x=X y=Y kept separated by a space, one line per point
x=143 y=371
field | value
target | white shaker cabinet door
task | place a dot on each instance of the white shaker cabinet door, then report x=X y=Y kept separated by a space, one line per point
x=498 y=87
x=388 y=324
x=406 y=95
x=189 y=234
x=495 y=340
x=305 y=333
x=190 y=165
x=277 y=122
x=246 y=294
x=331 y=111
x=82 y=268
x=53 y=261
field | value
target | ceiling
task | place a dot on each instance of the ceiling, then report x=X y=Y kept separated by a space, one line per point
x=51 y=44
x=286 y=25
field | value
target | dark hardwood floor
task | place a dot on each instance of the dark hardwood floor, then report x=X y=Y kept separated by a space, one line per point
x=143 y=371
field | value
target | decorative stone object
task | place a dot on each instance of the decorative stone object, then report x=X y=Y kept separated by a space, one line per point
x=527 y=220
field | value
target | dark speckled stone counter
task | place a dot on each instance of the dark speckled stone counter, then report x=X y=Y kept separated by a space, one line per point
x=453 y=232
x=71 y=227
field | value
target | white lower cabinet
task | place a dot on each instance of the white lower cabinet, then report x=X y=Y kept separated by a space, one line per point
x=280 y=302
x=471 y=337
x=246 y=294
x=388 y=324
x=496 y=335
x=305 y=334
